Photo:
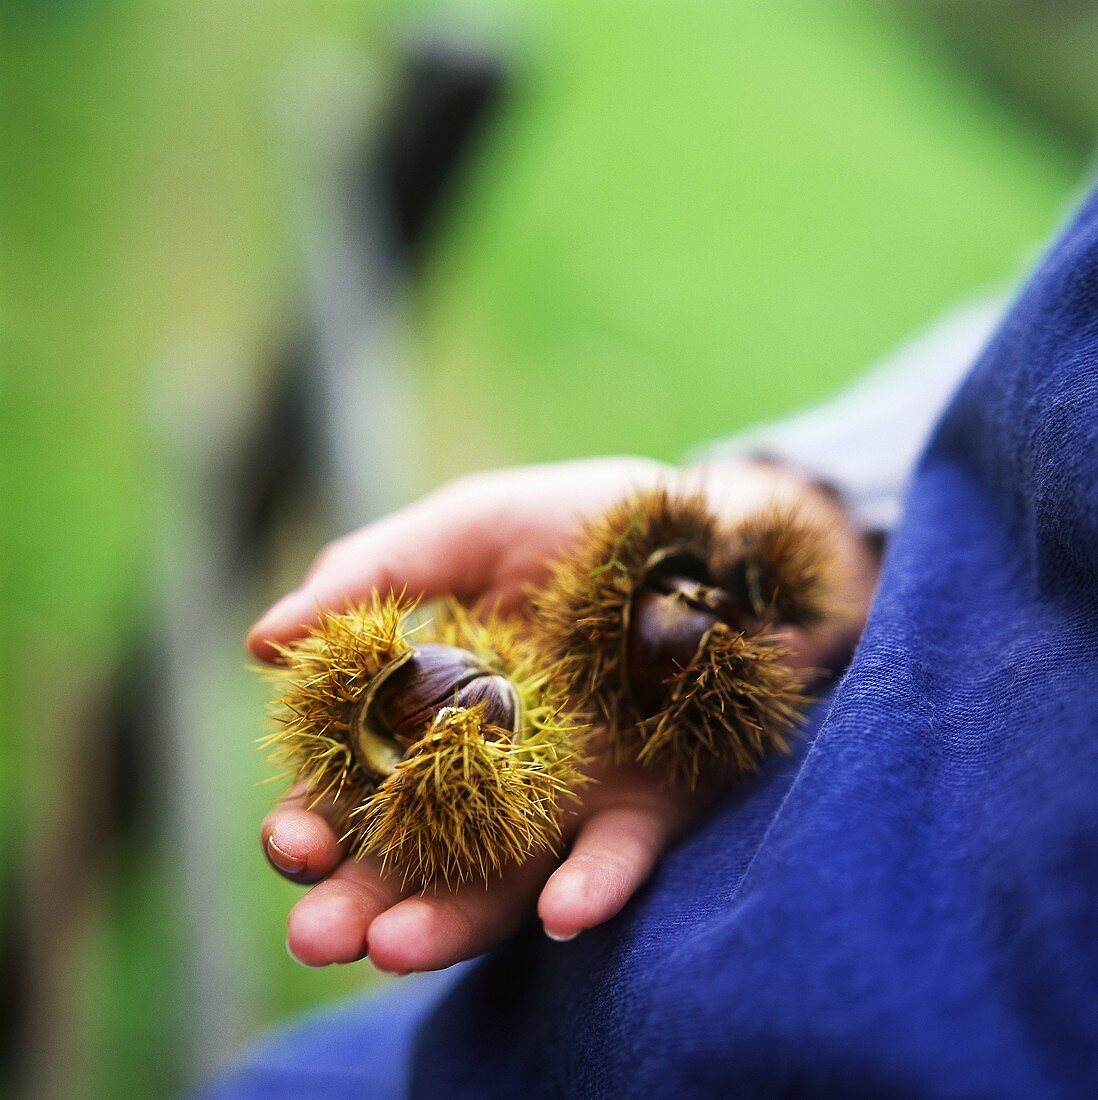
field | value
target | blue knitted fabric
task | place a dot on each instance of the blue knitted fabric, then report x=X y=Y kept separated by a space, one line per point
x=910 y=905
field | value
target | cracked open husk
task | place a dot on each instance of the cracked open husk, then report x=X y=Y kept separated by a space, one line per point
x=442 y=749
x=665 y=626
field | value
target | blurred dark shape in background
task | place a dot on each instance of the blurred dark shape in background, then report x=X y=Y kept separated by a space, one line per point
x=1037 y=53
x=274 y=274
x=445 y=98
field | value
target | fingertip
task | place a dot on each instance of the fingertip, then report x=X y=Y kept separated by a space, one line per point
x=261 y=646
x=417 y=935
x=300 y=845
x=399 y=939
x=281 y=621
x=564 y=907
x=590 y=887
x=327 y=926
x=293 y=955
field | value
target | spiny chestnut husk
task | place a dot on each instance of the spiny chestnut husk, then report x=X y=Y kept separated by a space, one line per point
x=665 y=625
x=444 y=747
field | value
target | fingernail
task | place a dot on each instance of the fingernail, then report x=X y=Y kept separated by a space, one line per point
x=282 y=860
x=392 y=973
x=561 y=939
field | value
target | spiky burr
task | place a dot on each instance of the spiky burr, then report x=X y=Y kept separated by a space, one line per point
x=670 y=630
x=443 y=747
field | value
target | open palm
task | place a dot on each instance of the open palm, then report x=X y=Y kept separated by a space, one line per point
x=490 y=536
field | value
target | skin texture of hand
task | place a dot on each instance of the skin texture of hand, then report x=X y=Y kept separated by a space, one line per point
x=490 y=536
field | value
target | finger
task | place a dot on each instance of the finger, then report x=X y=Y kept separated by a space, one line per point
x=299 y=838
x=331 y=922
x=433 y=931
x=437 y=545
x=614 y=852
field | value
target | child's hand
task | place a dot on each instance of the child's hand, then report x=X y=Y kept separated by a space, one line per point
x=489 y=536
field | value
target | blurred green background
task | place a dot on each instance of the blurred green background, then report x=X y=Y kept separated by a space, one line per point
x=676 y=219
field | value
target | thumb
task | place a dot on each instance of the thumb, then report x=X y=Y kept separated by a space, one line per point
x=443 y=543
